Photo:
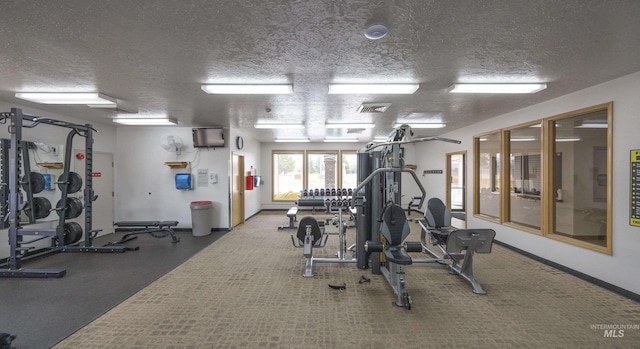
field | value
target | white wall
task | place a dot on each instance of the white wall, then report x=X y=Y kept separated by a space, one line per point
x=145 y=186
x=620 y=269
x=252 y=159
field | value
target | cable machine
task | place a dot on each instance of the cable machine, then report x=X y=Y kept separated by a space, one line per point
x=67 y=206
x=381 y=225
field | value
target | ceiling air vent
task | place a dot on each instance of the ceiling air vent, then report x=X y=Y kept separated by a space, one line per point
x=373 y=107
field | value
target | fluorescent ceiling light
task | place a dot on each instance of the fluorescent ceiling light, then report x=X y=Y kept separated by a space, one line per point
x=237 y=89
x=291 y=140
x=94 y=98
x=422 y=125
x=145 y=121
x=350 y=125
x=497 y=88
x=593 y=125
x=279 y=126
x=337 y=139
x=386 y=89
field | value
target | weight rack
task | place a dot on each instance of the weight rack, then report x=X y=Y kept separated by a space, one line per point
x=16 y=231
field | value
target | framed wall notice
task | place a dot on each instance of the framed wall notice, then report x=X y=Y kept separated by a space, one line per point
x=635 y=188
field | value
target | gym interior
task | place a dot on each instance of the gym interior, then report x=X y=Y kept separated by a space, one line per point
x=213 y=233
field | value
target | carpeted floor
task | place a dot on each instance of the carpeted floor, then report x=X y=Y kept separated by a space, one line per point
x=247 y=291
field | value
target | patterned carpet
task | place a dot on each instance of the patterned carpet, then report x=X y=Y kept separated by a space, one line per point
x=247 y=291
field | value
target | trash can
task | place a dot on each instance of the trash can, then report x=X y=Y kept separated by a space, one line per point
x=201 y=212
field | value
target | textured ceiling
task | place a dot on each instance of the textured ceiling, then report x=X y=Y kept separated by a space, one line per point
x=154 y=55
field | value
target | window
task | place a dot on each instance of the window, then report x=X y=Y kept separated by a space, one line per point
x=349 y=173
x=322 y=170
x=294 y=171
x=487 y=168
x=287 y=175
x=581 y=171
x=558 y=173
x=525 y=175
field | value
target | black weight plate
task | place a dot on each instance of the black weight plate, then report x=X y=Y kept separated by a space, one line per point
x=73 y=184
x=72 y=233
x=73 y=208
x=37 y=182
x=41 y=207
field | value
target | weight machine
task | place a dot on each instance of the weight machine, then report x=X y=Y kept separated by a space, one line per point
x=311 y=232
x=381 y=225
x=67 y=207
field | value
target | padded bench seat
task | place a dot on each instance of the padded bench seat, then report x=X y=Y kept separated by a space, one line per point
x=145 y=224
x=157 y=229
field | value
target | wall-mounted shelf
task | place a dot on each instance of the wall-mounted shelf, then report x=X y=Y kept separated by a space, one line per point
x=51 y=165
x=177 y=164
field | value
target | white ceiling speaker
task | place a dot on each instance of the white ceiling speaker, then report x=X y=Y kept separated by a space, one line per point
x=172 y=143
x=376 y=31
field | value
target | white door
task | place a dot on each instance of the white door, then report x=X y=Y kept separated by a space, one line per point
x=103 y=207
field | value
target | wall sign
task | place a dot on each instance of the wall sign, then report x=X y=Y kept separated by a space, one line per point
x=635 y=188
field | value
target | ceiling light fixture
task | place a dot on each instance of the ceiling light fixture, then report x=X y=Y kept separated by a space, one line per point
x=422 y=125
x=339 y=139
x=292 y=140
x=279 y=126
x=497 y=88
x=145 y=121
x=376 y=31
x=338 y=125
x=94 y=98
x=387 y=89
x=237 y=89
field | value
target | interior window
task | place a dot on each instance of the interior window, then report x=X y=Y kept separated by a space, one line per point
x=581 y=148
x=488 y=175
x=525 y=175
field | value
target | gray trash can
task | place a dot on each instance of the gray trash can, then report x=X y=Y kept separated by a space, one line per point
x=201 y=217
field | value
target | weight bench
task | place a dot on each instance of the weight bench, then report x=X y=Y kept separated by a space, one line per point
x=157 y=229
x=292 y=214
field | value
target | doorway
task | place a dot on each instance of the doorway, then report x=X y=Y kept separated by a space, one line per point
x=457 y=188
x=237 y=190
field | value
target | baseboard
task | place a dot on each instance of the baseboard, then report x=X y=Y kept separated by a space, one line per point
x=610 y=287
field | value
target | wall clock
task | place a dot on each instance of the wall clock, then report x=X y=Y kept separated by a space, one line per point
x=239 y=143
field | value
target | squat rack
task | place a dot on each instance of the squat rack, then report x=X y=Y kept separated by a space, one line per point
x=16 y=231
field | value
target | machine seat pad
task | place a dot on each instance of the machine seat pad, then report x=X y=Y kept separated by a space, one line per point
x=441 y=236
x=398 y=257
x=316 y=232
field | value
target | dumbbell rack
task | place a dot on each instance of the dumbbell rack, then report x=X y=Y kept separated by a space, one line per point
x=335 y=200
x=16 y=231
